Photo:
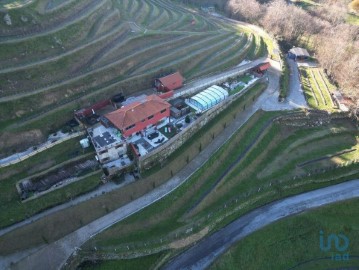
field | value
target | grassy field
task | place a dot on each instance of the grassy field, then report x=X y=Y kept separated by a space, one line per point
x=317 y=89
x=295 y=240
x=209 y=200
x=114 y=46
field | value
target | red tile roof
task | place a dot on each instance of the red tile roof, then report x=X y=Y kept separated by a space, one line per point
x=172 y=81
x=137 y=111
x=264 y=66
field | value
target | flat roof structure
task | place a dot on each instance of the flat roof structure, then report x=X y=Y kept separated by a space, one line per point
x=299 y=52
x=103 y=137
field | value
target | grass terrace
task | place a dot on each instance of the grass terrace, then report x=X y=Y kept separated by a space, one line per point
x=209 y=200
x=296 y=239
x=11 y=208
x=317 y=89
x=105 y=55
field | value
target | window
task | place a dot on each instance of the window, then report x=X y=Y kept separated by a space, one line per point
x=163 y=110
x=103 y=152
x=150 y=117
x=132 y=126
x=105 y=159
x=118 y=146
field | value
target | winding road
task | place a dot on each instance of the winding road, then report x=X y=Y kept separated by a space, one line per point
x=206 y=251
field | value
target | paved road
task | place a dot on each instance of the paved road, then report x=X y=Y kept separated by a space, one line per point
x=296 y=94
x=206 y=251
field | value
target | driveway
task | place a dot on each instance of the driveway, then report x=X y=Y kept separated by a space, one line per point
x=296 y=94
x=206 y=251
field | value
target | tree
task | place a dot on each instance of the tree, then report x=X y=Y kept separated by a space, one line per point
x=248 y=10
x=187 y=119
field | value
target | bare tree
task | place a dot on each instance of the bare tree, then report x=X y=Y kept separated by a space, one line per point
x=249 y=10
x=288 y=21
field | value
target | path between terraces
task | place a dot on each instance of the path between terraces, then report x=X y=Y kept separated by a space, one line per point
x=80 y=15
x=60 y=250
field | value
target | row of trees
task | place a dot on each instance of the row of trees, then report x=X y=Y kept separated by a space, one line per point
x=336 y=43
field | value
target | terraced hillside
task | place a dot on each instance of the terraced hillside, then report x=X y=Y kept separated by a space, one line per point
x=317 y=88
x=270 y=157
x=60 y=55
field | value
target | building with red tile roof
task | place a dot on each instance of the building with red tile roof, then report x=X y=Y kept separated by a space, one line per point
x=169 y=83
x=139 y=115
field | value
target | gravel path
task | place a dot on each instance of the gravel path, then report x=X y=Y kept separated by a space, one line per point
x=206 y=251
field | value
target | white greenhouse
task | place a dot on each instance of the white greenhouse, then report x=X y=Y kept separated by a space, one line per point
x=207 y=98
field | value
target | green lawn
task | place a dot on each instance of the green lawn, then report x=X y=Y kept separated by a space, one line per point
x=168 y=134
x=295 y=240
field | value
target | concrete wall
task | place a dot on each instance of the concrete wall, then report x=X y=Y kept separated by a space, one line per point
x=161 y=153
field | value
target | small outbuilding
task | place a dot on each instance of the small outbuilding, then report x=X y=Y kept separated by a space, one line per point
x=297 y=53
x=169 y=83
x=262 y=68
x=85 y=143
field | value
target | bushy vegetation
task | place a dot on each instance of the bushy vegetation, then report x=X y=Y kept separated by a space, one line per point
x=336 y=43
